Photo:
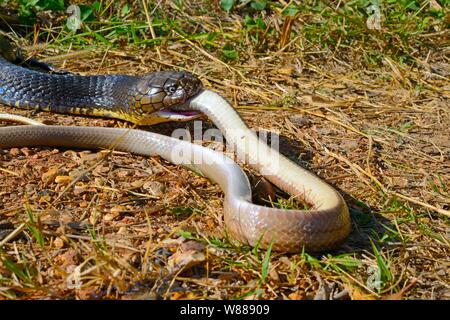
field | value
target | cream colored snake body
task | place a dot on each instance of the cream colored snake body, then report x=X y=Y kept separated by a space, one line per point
x=324 y=226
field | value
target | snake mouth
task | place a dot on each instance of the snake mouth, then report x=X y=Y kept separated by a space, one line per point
x=177 y=115
x=179 y=112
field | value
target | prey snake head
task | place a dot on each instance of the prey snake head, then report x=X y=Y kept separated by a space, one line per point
x=160 y=96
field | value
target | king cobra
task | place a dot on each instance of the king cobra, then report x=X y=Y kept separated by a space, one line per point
x=178 y=96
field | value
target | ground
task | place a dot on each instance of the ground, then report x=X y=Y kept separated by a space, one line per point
x=92 y=224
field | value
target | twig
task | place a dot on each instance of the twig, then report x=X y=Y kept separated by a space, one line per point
x=150 y=25
x=213 y=58
x=10 y=172
x=334 y=121
x=380 y=185
x=13 y=234
x=423 y=204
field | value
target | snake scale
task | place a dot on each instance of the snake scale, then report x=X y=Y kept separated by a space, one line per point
x=179 y=96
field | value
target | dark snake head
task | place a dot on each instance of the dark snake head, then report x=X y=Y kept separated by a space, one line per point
x=159 y=92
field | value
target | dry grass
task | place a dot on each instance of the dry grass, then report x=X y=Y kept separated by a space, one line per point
x=125 y=223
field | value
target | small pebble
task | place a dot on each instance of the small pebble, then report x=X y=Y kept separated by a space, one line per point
x=58 y=243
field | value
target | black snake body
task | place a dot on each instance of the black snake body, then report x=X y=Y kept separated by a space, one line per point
x=131 y=98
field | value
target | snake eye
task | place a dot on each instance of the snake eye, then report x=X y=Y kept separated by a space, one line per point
x=172 y=89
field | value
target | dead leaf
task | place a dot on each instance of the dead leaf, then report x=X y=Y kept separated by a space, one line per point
x=154 y=188
x=64 y=180
x=187 y=256
x=49 y=176
x=297 y=295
